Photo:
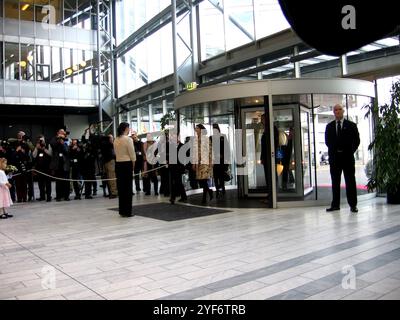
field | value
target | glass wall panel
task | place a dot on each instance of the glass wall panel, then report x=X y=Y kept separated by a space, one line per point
x=57 y=6
x=11 y=9
x=157 y=111
x=239 y=25
x=27 y=62
x=1 y=60
x=56 y=65
x=211 y=30
x=41 y=10
x=355 y=113
x=27 y=10
x=131 y=15
x=144 y=120
x=269 y=18
x=85 y=14
x=70 y=13
x=67 y=65
x=43 y=62
x=86 y=66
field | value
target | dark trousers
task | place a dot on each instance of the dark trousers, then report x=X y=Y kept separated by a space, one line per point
x=344 y=163
x=76 y=175
x=29 y=181
x=152 y=177
x=218 y=172
x=44 y=186
x=89 y=185
x=164 y=187
x=62 y=186
x=206 y=190
x=124 y=173
x=137 y=178
x=22 y=187
x=177 y=188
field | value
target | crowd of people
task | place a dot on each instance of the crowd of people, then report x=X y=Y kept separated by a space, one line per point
x=76 y=166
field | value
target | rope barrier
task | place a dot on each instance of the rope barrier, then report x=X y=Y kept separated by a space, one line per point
x=82 y=180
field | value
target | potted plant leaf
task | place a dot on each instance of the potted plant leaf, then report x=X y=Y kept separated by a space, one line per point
x=386 y=146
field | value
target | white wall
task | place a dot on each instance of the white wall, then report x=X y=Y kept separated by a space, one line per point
x=76 y=124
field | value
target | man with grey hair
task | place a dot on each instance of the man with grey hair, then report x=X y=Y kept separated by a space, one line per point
x=342 y=139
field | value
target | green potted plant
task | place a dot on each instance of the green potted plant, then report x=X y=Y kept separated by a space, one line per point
x=386 y=146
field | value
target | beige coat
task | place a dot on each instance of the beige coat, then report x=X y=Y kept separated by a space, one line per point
x=202 y=157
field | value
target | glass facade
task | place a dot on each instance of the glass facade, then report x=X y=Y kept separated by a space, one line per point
x=224 y=25
x=25 y=61
x=71 y=13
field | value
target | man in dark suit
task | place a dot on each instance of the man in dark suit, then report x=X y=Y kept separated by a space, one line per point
x=342 y=139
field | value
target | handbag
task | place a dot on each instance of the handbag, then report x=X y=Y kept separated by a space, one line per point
x=227 y=176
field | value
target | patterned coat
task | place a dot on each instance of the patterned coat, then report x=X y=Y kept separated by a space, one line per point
x=202 y=157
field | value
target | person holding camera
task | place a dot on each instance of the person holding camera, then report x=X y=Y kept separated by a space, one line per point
x=41 y=161
x=75 y=157
x=60 y=165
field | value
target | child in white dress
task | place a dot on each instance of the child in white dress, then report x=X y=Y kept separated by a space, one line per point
x=5 y=198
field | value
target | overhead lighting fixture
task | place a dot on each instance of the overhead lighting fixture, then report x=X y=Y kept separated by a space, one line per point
x=25 y=6
x=75 y=68
x=30 y=58
x=69 y=72
x=22 y=64
x=83 y=64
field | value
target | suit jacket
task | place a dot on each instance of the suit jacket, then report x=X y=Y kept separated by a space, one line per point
x=348 y=142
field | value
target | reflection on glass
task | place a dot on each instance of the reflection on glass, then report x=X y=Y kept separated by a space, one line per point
x=11 y=61
x=306 y=156
x=254 y=168
x=284 y=155
x=239 y=22
x=27 y=62
x=56 y=66
x=43 y=62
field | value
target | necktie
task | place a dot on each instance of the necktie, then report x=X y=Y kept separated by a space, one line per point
x=339 y=129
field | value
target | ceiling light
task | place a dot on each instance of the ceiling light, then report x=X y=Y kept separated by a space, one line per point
x=30 y=58
x=69 y=72
x=25 y=6
x=75 y=68
x=22 y=64
x=83 y=64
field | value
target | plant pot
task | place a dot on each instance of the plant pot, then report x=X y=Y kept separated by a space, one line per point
x=393 y=197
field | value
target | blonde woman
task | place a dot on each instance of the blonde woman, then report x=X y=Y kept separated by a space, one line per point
x=202 y=160
x=124 y=164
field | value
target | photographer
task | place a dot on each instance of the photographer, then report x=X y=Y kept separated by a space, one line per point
x=25 y=142
x=76 y=157
x=22 y=159
x=60 y=165
x=41 y=160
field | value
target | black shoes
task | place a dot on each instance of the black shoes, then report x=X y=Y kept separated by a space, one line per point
x=182 y=200
x=354 y=209
x=332 y=209
x=127 y=215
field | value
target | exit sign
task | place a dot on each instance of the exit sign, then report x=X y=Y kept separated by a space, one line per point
x=191 y=86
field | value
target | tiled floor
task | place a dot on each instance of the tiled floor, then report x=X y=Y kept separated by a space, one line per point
x=83 y=250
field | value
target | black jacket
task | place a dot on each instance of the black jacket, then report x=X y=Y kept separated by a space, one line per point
x=348 y=142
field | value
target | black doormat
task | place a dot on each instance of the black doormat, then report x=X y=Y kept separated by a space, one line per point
x=169 y=212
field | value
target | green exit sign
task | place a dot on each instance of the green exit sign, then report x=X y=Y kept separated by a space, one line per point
x=191 y=86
